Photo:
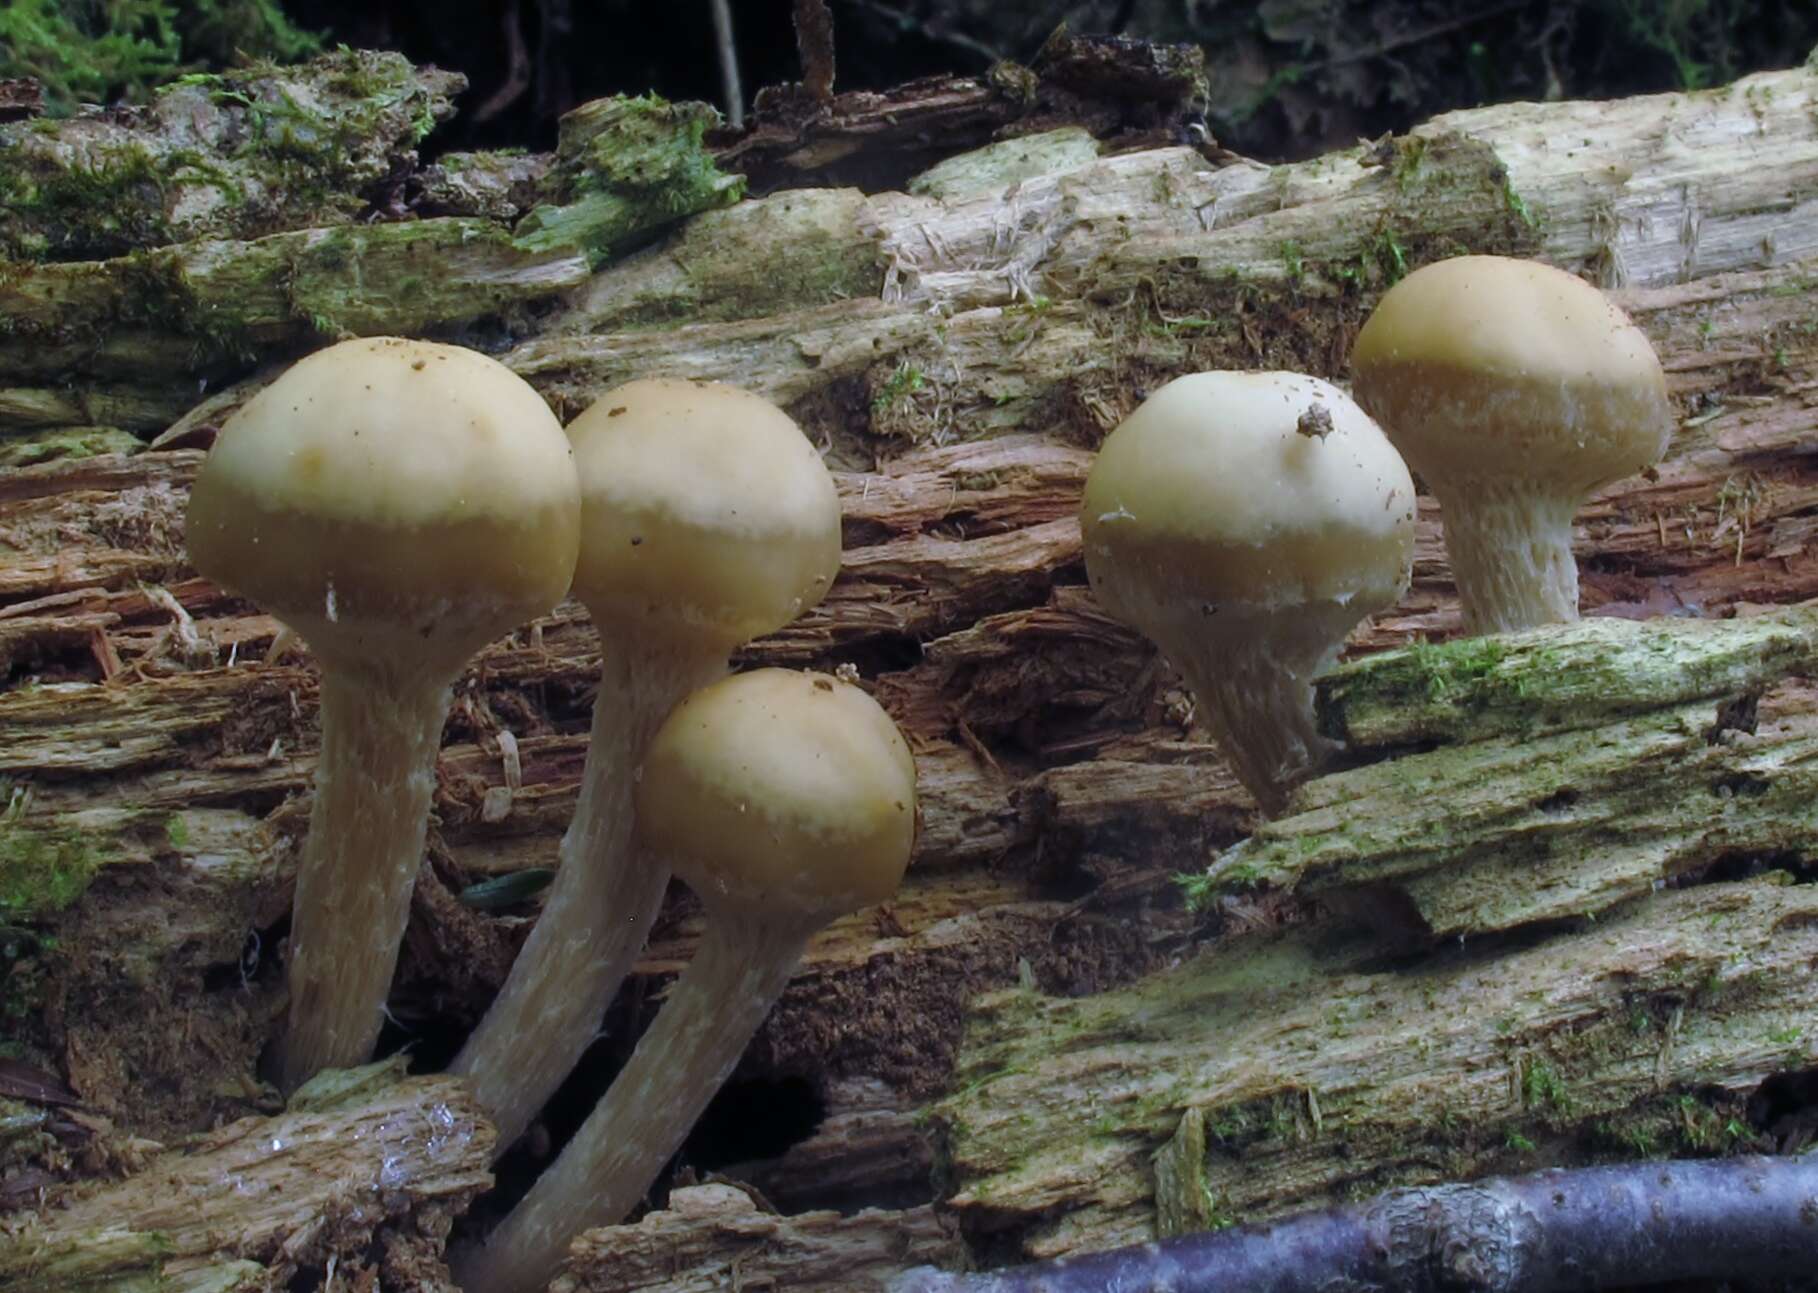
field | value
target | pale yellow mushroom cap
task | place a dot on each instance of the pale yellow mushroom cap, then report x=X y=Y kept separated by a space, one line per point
x=705 y=511
x=788 y=794
x=388 y=489
x=1483 y=367
x=1212 y=495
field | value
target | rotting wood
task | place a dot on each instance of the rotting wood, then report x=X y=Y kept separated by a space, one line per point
x=1576 y=766
x=1320 y=1073
x=957 y=360
x=236 y=155
x=1558 y=679
x=367 y=1154
x=712 y=1237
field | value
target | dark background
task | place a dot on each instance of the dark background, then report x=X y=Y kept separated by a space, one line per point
x=1290 y=78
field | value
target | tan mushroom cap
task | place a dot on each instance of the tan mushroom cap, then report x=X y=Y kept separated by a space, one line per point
x=1483 y=366
x=788 y=794
x=391 y=486
x=1211 y=494
x=705 y=510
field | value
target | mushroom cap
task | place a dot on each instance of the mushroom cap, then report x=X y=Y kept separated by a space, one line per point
x=1211 y=495
x=784 y=794
x=1483 y=366
x=705 y=511
x=386 y=487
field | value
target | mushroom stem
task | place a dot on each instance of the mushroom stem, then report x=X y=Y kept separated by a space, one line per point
x=1510 y=544
x=1251 y=673
x=375 y=777
x=741 y=968
x=600 y=908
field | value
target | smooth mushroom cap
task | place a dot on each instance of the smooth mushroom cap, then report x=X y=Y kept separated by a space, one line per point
x=707 y=512
x=1220 y=490
x=385 y=486
x=1486 y=367
x=787 y=793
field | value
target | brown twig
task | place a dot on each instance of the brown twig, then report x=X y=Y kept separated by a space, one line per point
x=517 y=67
x=814 y=42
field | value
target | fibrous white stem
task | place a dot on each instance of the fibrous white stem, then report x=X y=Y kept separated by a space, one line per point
x=1511 y=551
x=602 y=903
x=1251 y=673
x=740 y=970
x=375 y=777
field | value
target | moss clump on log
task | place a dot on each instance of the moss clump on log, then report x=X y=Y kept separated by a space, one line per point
x=43 y=868
x=234 y=155
x=1556 y=679
x=625 y=168
x=1580 y=766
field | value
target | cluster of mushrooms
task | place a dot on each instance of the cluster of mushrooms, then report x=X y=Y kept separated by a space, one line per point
x=401 y=503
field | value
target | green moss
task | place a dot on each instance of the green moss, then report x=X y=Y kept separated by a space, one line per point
x=1516 y=205
x=43 y=869
x=1293 y=263
x=625 y=168
x=107 y=49
x=1407 y=168
x=279 y=148
x=905 y=381
x=35 y=447
x=1543 y=1089
x=1448 y=668
x=117 y=198
x=1422 y=674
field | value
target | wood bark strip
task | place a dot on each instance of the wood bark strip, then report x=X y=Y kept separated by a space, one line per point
x=1320 y=1073
x=1518 y=828
x=1558 y=679
x=714 y=1236
x=274 y=1194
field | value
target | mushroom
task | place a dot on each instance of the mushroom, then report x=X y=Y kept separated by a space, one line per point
x=1514 y=389
x=399 y=504
x=784 y=800
x=708 y=519
x=1245 y=522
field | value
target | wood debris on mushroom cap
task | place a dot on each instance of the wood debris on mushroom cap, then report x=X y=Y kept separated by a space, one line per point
x=1245 y=522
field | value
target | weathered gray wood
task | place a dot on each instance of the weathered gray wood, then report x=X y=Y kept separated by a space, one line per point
x=358 y=1157
x=712 y=1237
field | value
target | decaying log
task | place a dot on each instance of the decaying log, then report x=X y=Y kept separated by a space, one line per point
x=713 y=1237
x=1307 y=1068
x=957 y=357
x=361 y=1161
x=1575 y=767
x=230 y=156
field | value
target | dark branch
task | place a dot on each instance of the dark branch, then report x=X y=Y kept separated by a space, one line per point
x=1592 y=1228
